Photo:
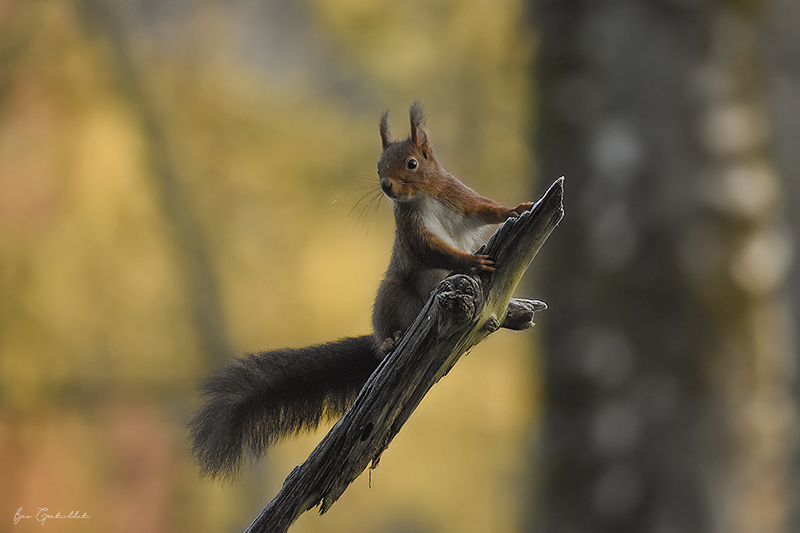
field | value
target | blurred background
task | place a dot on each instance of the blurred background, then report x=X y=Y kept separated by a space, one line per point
x=184 y=181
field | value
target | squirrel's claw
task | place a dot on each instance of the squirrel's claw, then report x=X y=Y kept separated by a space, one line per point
x=483 y=263
x=521 y=208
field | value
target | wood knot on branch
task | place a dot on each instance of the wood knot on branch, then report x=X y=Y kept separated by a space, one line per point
x=458 y=301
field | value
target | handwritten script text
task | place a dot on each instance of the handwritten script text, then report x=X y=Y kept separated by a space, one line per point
x=43 y=514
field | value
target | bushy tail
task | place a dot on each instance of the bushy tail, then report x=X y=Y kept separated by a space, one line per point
x=260 y=398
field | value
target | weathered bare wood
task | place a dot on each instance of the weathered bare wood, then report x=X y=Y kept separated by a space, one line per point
x=520 y=311
x=460 y=313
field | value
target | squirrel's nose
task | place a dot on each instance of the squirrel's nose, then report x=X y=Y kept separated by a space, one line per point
x=386 y=186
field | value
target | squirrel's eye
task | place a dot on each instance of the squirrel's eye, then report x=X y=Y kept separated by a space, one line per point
x=411 y=164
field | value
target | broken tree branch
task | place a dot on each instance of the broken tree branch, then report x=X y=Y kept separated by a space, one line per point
x=464 y=310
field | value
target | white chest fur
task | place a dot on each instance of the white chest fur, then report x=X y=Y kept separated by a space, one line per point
x=463 y=233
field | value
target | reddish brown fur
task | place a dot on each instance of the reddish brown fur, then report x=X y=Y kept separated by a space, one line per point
x=420 y=259
x=429 y=177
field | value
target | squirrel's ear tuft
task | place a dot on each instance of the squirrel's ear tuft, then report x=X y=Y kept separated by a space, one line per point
x=418 y=136
x=386 y=135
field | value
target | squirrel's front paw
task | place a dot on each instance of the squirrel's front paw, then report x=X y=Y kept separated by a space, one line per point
x=482 y=263
x=521 y=208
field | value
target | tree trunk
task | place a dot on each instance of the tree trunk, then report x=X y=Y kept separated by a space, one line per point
x=668 y=356
x=782 y=68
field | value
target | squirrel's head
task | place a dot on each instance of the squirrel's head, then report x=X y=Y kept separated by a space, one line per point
x=407 y=168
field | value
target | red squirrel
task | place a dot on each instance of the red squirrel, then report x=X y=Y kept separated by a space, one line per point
x=257 y=399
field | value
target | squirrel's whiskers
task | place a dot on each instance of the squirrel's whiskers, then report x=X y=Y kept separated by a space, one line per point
x=369 y=201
